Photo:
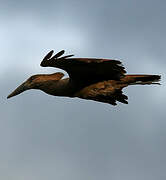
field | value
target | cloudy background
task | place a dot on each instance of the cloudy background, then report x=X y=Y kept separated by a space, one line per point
x=44 y=137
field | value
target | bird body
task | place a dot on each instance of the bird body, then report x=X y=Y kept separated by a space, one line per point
x=89 y=78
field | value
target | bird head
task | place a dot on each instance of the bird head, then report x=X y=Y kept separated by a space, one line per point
x=35 y=82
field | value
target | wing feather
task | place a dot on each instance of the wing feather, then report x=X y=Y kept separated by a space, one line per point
x=106 y=91
x=86 y=70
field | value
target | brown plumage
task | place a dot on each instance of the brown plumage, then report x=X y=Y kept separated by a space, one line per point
x=89 y=78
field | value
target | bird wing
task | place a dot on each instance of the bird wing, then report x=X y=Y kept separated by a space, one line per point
x=85 y=70
x=105 y=91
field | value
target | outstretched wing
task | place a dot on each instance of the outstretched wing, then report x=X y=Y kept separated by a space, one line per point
x=85 y=70
x=106 y=91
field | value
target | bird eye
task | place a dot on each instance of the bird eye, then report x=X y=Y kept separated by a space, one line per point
x=32 y=78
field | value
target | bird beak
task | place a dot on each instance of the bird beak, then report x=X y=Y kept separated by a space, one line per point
x=23 y=87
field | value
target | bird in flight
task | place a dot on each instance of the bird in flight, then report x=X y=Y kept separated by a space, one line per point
x=89 y=78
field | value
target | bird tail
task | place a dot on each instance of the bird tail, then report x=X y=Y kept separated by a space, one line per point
x=142 y=79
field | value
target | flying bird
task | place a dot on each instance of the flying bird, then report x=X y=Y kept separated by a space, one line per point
x=89 y=78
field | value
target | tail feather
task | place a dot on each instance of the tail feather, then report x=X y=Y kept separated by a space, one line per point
x=143 y=79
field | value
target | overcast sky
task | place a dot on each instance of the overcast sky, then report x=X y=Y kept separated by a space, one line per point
x=44 y=137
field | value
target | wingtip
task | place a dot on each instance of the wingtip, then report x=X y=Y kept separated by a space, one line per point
x=60 y=53
x=48 y=55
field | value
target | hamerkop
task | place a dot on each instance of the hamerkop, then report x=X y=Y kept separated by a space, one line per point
x=89 y=78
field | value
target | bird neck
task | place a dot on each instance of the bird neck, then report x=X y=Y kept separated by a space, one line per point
x=58 y=88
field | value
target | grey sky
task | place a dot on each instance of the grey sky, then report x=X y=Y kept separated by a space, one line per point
x=44 y=137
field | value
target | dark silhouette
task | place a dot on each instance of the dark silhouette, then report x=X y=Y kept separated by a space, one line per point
x=89 y=78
